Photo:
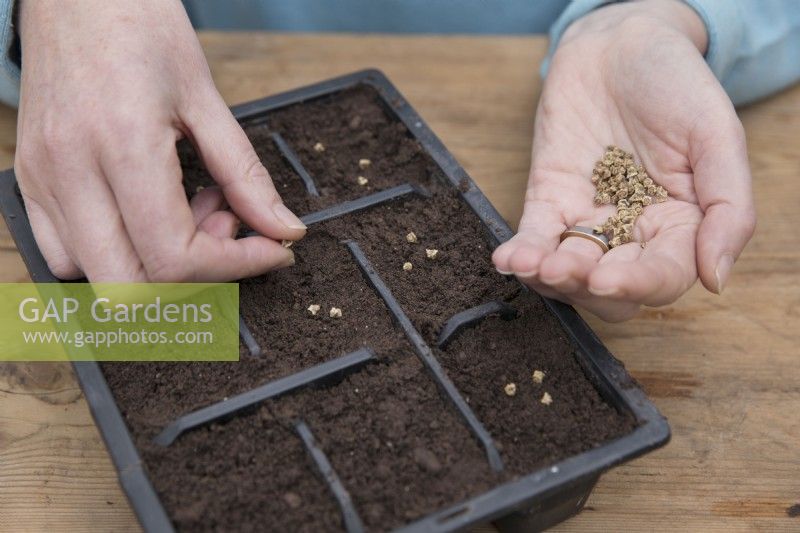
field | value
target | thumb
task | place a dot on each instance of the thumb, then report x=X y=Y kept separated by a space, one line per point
x=235 y=166
x=723 y=185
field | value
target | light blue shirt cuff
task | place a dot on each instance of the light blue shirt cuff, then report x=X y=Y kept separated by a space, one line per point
x=753 y=45
x=723 y=21
x=9 y=69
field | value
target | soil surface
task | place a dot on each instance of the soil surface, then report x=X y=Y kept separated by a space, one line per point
x=459 y=277
x=251 y=474
x=275 y=308
x=386 y=429
x=398 y=446
x=530 y=433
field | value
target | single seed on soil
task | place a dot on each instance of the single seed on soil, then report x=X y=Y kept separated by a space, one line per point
x=314 y=309
x=364 y=163
x=431 y=253
x=335 y=312
x=426 y=459
x=362 y=180
x=199 y=188
x=538 y=376
x=319 y=147
x=293 y=500
x=411 y=237
x=546 y=399
x=407 y=266
x=510 y=389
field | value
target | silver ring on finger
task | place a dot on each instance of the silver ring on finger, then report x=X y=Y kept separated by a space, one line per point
x=586 y=233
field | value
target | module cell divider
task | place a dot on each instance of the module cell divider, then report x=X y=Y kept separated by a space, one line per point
x=352 y=522
x=426 y=355
x=472 y=316
x=322 y=372
x=364 y=202
x=359 y=204
x=289 y=155
x=249 y=340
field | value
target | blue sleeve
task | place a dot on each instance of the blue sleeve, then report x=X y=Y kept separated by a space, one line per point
x=9 y=60
x=753 y=45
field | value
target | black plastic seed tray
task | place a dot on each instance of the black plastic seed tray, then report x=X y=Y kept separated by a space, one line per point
x=530 y=503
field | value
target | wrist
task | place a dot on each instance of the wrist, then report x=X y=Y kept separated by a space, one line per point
x=33 y=15
x=643 y=15
x=43 y=23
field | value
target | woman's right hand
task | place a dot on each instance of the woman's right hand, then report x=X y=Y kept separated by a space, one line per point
x=108 y=87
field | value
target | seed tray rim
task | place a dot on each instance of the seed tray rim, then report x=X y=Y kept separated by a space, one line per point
x=511 y=498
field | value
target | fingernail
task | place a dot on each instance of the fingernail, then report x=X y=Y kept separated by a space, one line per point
x=528 y=274
x=287 y=218
x=558 y=280
x=723 y=271
x=289 y=260
x=608 y=291
x=503 y=272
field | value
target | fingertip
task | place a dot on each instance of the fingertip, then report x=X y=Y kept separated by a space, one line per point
x=720 y=240
x=270 y=254
x=55 y=254
x=555 y=269
x=236 y=167
x=289 y=220
x=205 y=202
x=707 y=266
x=64 y=269
x=722 y=273
x=289 y=261
x=526 y=260
x=607 y=282
x=220 y=224
x=563 y=273
x=211 y=195
x=274 y=254
x=277 y=222
x=501 y=256
x=606 y=292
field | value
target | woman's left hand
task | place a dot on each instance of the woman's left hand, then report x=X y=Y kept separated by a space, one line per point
x=633 y=75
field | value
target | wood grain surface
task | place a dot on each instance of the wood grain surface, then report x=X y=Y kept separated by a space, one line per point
x=724 y=369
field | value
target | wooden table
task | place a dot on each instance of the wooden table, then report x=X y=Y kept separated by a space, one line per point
x=725 y=370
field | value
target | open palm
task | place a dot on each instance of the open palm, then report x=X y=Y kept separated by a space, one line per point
x=651 y=94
